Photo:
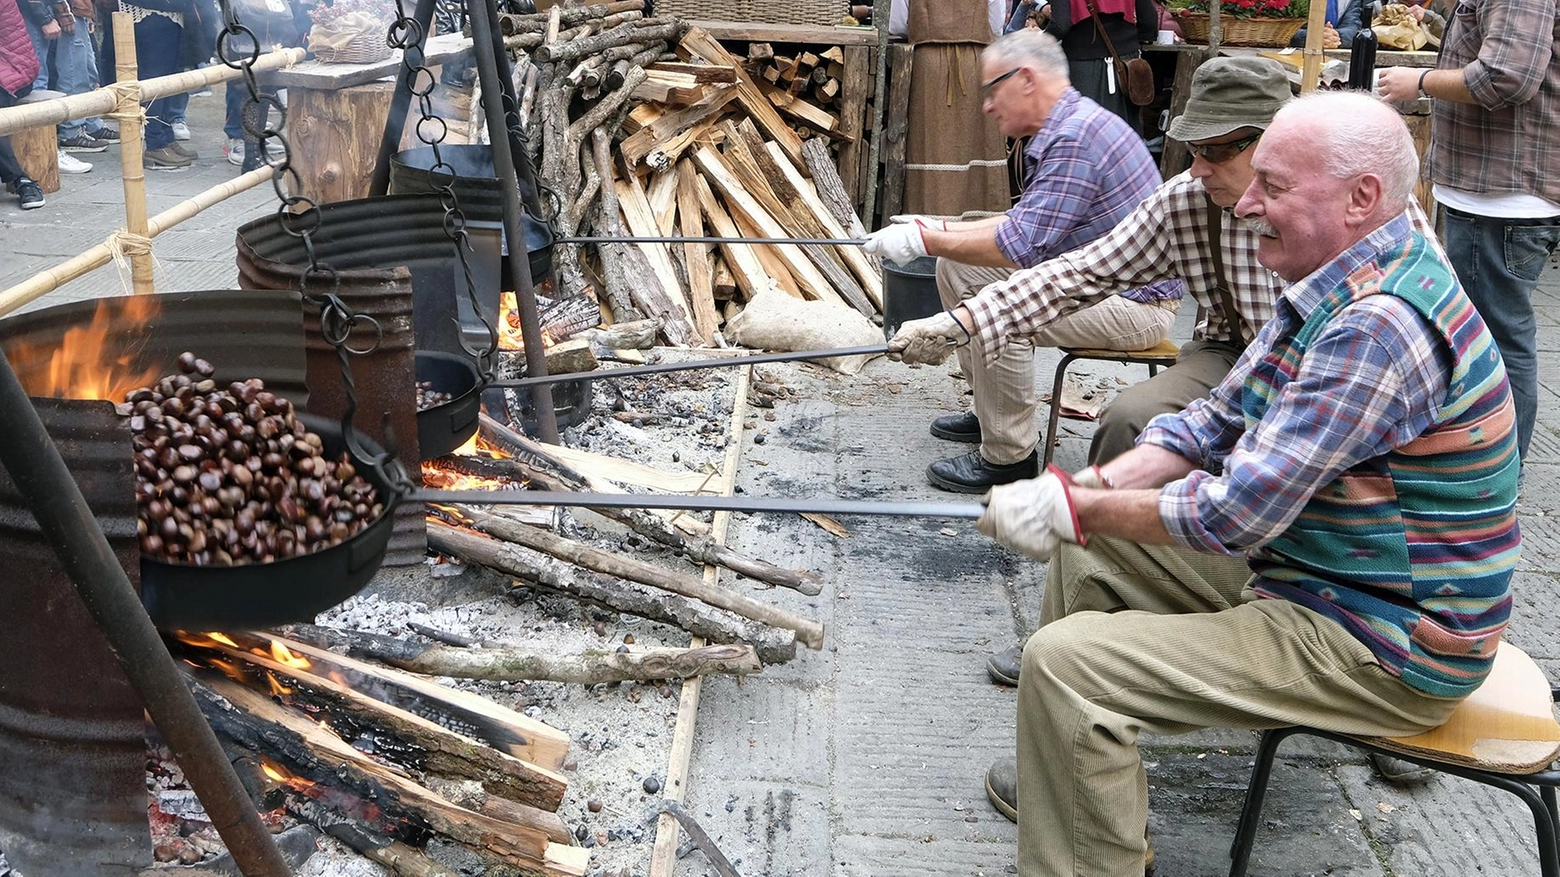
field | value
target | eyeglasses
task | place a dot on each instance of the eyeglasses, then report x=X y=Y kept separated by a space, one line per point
x=1218 y=153
x=987 y=88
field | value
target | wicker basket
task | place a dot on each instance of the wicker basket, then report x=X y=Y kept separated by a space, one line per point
x=363 y=48
x=1267 y=32
x=812 y=12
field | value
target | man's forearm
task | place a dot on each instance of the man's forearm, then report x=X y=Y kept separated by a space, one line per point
x=971 y=243
x=1124 y=514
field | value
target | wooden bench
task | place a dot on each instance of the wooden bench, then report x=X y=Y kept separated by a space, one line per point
x=1504 y=735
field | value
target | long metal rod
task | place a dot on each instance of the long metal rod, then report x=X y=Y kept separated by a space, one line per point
x=400 y=103
x=484 y=24
x=663 y=367
x=56 y=501
x=708 y=239
x=750 y=504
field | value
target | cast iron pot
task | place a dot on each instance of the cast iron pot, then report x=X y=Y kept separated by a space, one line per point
x=443 y=428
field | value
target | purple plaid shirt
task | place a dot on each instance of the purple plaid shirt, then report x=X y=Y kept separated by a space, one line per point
x=1087 y=170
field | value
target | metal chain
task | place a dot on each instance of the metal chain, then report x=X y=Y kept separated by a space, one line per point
x=407 y=35
x=300 y=217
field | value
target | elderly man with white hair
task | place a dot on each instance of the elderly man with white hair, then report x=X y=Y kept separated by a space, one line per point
x=1360 y=459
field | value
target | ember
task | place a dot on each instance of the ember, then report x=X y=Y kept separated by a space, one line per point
x=231 y=476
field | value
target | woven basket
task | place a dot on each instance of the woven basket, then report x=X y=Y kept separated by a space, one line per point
x=813 y=12
x=1267 y=32
x=365 y=48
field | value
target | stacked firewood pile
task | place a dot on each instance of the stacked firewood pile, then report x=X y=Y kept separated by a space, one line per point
x=645 y=128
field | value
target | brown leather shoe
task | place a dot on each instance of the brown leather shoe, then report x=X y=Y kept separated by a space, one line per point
x=1002 y=791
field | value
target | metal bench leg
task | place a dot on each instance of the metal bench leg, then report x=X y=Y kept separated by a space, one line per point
x=1256 y=790
x=1056 y=411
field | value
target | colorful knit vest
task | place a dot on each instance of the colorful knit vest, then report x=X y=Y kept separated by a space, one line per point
x=1413 y=551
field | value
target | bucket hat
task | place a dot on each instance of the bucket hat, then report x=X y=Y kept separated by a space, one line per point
x=1228 y=94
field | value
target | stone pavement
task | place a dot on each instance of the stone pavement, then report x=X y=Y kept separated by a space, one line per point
x=867 y=758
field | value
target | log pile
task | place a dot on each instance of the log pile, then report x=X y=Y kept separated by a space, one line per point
x=649 y=128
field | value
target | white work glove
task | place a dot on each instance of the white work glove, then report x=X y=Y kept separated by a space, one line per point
x=927 y=341
x=1032 y=517
x=900 y=243
x=1090 y=477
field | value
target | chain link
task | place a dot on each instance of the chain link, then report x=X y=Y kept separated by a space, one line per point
x=300 y=217
x=406 y=34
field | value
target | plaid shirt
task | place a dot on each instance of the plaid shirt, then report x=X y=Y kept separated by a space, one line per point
x=1383 y=373
x=1509 y=52
x=1164 y=238
x=1086 y=170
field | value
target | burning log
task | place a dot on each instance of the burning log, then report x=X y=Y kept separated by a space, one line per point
x=550 y=474
x=437 y=749
x=808 y=632
x=402 y=860
x=774 y=646
x=510 y=664
x=320 y=756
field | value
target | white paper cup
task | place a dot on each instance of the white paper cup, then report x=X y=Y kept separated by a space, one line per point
x=1165 y=38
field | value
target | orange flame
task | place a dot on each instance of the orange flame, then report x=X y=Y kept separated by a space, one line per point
x=91 y=362
x=287 y=658
x=284 y=776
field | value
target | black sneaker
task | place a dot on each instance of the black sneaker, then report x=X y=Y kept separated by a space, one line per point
x=27 y=192
x=81 y=141
x=105 y=133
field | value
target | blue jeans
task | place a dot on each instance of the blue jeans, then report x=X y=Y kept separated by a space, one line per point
x=41 y=49
x=1499 y=262
x=157 y=53
x=75 y=71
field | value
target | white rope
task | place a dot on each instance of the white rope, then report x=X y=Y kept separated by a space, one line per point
x=978 y=163
x=121 y=246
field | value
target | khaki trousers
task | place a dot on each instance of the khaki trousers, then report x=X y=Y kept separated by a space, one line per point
x=1140 y=638
x=1005 y=391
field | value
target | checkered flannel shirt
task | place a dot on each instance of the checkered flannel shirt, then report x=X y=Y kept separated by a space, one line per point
x=1164 y=238
x=1509 y=51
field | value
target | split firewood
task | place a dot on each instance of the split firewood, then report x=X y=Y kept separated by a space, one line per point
x=443 y=751
x=621 y=263
x=401 y=859
x=702 y=73
x=759 y=52
x=661 y=193
x=627 y=335
x=697 y=42
x=570 y=357
x=659 y=294
x=773 y=645
x=319 y=755
x=808 y=631
x=820 y=166
x=642 y=142
x=548 y=473
x=868 y=271
x=742 y=259
x=725 y=285
x=514 y=664
x=697 y=258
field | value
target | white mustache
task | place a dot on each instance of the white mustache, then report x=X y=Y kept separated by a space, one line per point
x=1260 y=226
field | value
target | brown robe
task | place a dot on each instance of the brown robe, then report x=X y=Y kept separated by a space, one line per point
x=955 y=158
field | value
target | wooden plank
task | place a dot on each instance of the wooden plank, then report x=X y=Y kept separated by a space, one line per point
x=746 y=207
x=640 y=220
x=774 y=266
x=901 y=62
x=663 y=856
x=696 y=257
x=639 y=144
x=854 y=90
x=869 y=273
x=742 y=259
x=699 y=43
x=1175 y=157
x=789 y=33
x=703 y=73
x=662 y=194
x=331 y=75
x=593 y=465
x=813 y=117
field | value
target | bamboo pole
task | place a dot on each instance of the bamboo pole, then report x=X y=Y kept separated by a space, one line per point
x=131 y=154
x=50 y=279
x=1311 y=66
x=104 y=100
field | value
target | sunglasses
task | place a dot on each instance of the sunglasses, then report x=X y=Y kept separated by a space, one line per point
x=1218 y=153
x=986 y=88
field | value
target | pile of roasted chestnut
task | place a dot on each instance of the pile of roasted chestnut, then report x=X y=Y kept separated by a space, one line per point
x=228 y=475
